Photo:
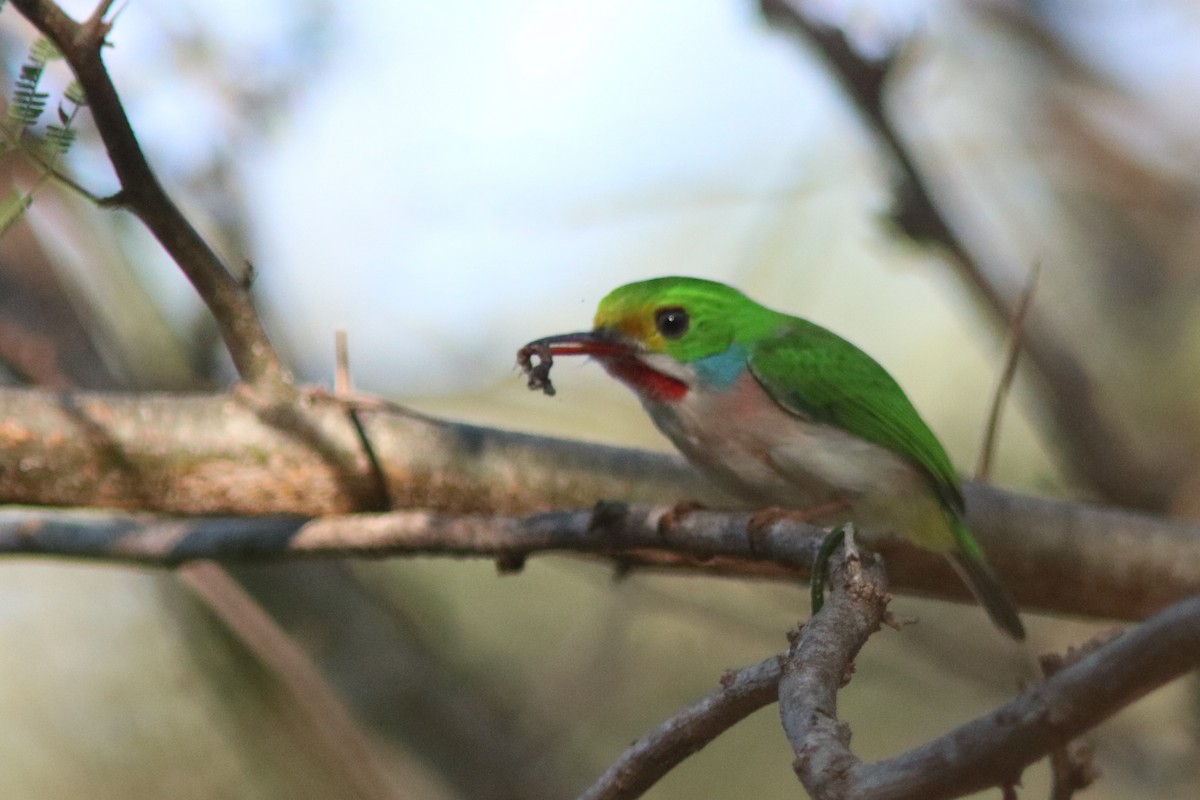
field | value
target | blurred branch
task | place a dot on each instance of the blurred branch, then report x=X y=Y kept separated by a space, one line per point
x=1012 y=354
x=1096 y=449
x=322 y=712
x=227 y=297
x=991 y=750
x=654 y=755
x=1086 y=687
x=410 y=687
x=31 y=354
x=1075 y=559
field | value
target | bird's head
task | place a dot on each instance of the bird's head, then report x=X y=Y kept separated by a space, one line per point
x=651 y=334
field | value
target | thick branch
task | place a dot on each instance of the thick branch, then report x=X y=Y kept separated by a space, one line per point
x=222 y=454
x=992 y=750
x=819 y=662
x=226 y=297
x=226 y=454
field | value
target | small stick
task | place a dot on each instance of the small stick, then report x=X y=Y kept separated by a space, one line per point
x=992 y=429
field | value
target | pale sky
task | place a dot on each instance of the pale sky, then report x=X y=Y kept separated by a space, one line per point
x=509 y=162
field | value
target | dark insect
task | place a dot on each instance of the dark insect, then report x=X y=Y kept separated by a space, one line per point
x=539 y=373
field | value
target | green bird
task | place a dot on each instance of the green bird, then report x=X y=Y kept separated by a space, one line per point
x=782 y=412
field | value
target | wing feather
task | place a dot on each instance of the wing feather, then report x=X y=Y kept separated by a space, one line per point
x=816 y=374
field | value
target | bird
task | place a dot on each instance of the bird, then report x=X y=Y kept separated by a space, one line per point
x=782 y=412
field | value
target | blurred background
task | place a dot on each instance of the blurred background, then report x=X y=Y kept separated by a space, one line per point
x=446 y=181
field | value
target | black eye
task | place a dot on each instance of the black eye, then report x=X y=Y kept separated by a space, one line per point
x=671 y=322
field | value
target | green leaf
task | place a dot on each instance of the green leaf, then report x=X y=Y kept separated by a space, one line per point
x=44 y=50
x=27 y=102
x=59 y=139
x=74 y=92
x=13 y=208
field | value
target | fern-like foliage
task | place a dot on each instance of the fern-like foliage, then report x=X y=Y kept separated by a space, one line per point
x=61 y=135
x=13 y=207
x=28 y=101
x=26 y=108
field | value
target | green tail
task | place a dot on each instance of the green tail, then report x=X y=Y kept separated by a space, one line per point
x=990 y=592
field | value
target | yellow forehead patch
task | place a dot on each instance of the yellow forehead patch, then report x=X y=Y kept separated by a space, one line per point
x=637 y=325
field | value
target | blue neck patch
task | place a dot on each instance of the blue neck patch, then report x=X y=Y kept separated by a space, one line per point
x=722 y=370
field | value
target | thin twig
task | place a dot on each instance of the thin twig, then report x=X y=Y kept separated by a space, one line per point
x=819 y=663
x=651 y=757
x=343 y=390
x=625 y=532
x=343 y=386
x=241 y=328
x=1012 y=355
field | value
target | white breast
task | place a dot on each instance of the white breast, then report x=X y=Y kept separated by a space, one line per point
x=750 y=446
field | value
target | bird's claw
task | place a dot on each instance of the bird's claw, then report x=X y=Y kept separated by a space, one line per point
x=668 y=521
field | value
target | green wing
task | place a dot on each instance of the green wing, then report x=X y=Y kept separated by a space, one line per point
x=818 y=375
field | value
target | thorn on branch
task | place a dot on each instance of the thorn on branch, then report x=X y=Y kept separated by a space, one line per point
x=118 y=199
x=250 y=275
x=95 y=29
x=793 y=635
x=510 y=563
x=607 y=516
x=622 y=568
x=343 y=387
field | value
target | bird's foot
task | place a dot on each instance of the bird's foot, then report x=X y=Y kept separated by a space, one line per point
x=764 y=518
x=761 y=521
x=668 y=521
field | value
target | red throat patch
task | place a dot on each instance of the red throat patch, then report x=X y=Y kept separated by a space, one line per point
x=646 y=381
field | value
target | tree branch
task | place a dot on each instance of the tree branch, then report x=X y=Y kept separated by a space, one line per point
x=227 y=297
x=1156 y=565
x=658 y=752
x=627 y=534
x=992 y=750
x=319 y=709
x=819 y=663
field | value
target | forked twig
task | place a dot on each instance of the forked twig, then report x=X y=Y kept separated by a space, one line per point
x=225 y=295
x=654 y=755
